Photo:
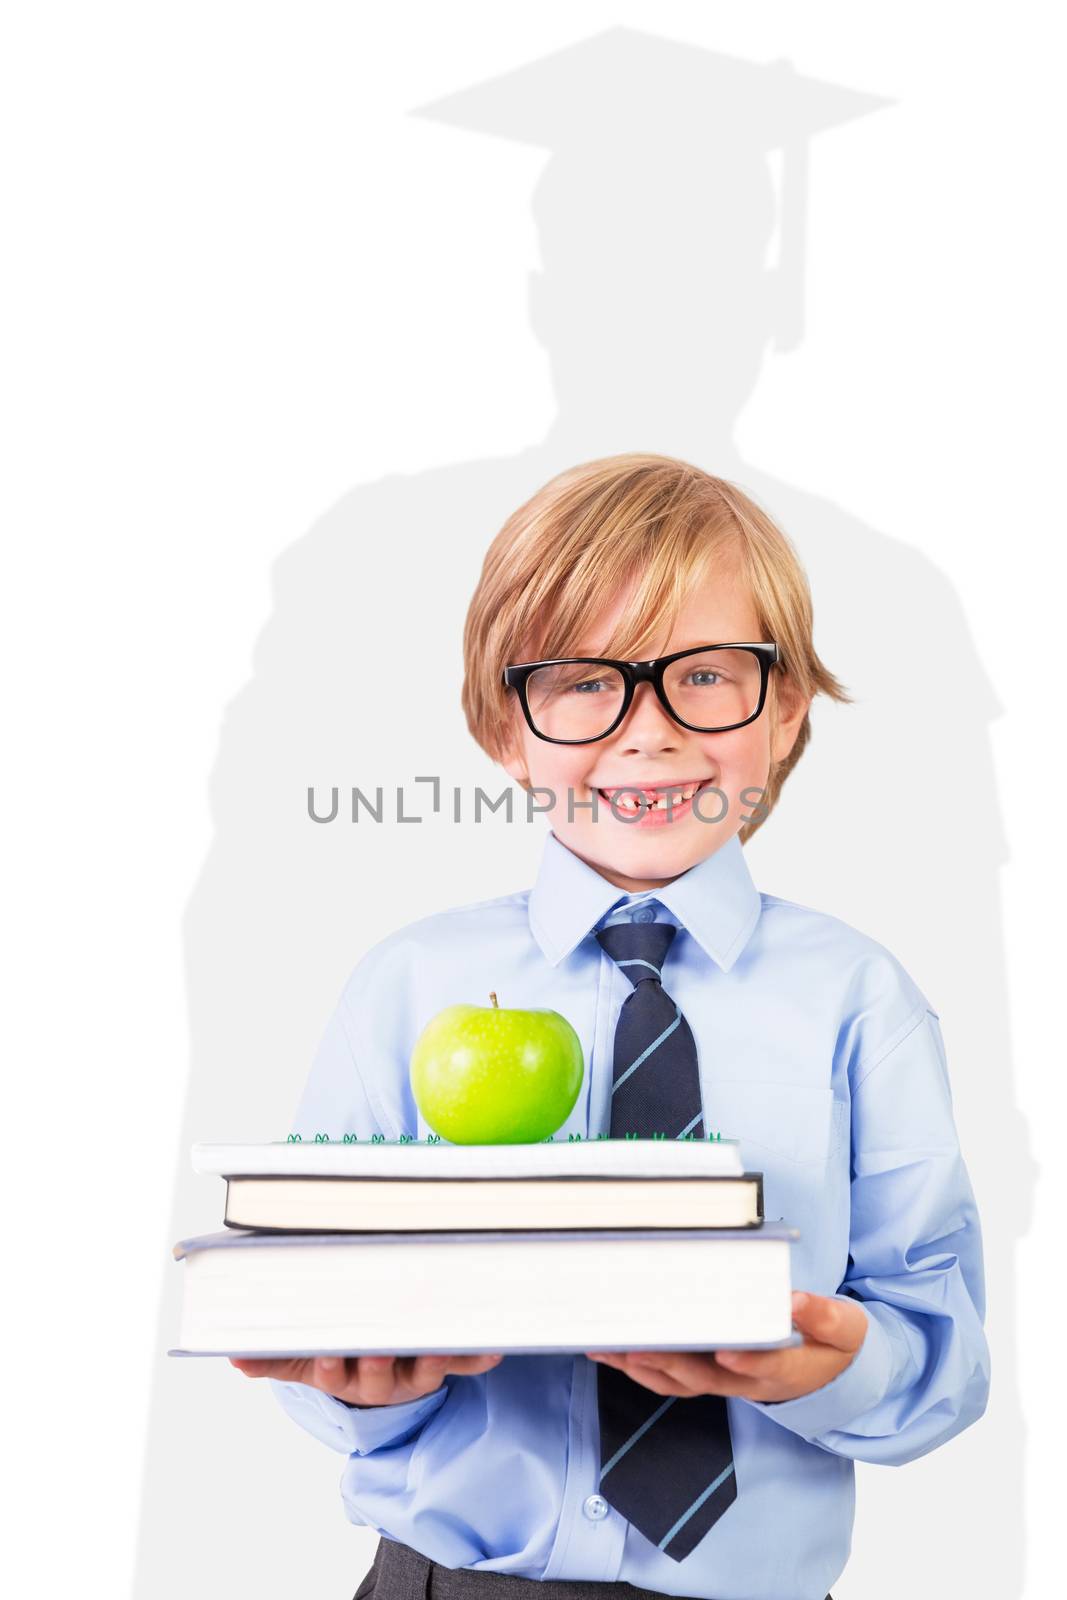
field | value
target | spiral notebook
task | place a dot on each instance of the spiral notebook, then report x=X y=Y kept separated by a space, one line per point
x=379 y=1186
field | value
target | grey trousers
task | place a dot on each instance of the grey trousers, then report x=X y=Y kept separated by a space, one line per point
x=400 y=1573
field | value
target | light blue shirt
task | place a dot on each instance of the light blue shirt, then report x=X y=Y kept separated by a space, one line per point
x=822 y=1056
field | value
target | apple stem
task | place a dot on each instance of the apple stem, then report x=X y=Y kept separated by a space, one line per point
x=492 y=996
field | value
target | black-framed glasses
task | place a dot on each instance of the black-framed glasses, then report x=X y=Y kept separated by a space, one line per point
x=710 y=688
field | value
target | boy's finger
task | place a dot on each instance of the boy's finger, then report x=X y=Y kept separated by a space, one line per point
x=837 y=1320
x=328 y=1372
x=263 y=1366
x=686 y=1369
x=428 y=1371
x=376 y=1378
x=696 y=1372
x=755 y=1363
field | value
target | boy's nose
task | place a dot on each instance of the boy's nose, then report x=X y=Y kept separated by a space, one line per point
x=646 y=719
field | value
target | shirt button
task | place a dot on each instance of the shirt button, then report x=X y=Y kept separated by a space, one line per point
x=595 y=1507
x=643 y=914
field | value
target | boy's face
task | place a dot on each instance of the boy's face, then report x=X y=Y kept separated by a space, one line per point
x=650 y=749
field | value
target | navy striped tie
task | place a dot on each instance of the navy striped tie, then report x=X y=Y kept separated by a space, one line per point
x=666 y=1462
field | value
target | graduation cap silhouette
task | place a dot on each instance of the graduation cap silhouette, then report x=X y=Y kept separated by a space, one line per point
x=635 y=99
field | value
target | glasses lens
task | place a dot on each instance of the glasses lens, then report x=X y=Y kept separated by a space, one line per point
x=715 y=688
x=576 y=701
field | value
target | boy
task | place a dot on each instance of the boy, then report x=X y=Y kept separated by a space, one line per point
x=794 y=1032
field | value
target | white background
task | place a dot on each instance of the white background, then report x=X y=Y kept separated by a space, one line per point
x=271 y=383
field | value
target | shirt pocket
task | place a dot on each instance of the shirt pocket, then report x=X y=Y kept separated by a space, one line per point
x=796 y=1122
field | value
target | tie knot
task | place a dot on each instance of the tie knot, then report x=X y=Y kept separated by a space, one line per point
x=640 y=949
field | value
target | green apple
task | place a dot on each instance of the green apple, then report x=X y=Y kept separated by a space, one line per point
x=489 y=1075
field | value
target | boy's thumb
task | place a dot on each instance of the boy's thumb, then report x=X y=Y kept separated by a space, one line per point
x=829 y=1320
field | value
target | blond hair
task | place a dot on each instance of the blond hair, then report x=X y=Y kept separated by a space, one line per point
x=602 y=525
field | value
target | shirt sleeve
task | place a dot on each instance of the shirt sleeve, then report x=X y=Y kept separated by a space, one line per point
x=335 y=1102
x=921 y=1374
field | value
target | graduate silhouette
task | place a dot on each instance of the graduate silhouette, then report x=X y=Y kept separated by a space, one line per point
x=630 y=120
x=672 y=219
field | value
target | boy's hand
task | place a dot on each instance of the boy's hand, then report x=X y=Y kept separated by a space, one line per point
x=366 y=1380
x=833 y=1331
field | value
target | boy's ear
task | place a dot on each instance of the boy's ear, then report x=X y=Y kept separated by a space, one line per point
x=514 y=765
x=512 y=759
x=792 y=709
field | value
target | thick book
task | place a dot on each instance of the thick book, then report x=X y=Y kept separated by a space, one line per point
x=251 y=1294
x=409 y=1186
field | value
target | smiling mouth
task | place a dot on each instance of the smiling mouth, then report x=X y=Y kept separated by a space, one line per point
x=657 y=797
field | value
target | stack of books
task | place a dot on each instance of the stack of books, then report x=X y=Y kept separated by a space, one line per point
x=404 y=1247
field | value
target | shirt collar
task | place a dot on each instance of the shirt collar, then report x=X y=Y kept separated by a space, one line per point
x=716 y=901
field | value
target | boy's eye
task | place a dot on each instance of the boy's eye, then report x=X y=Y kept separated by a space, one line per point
x=575 y=682
x=574 y=701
